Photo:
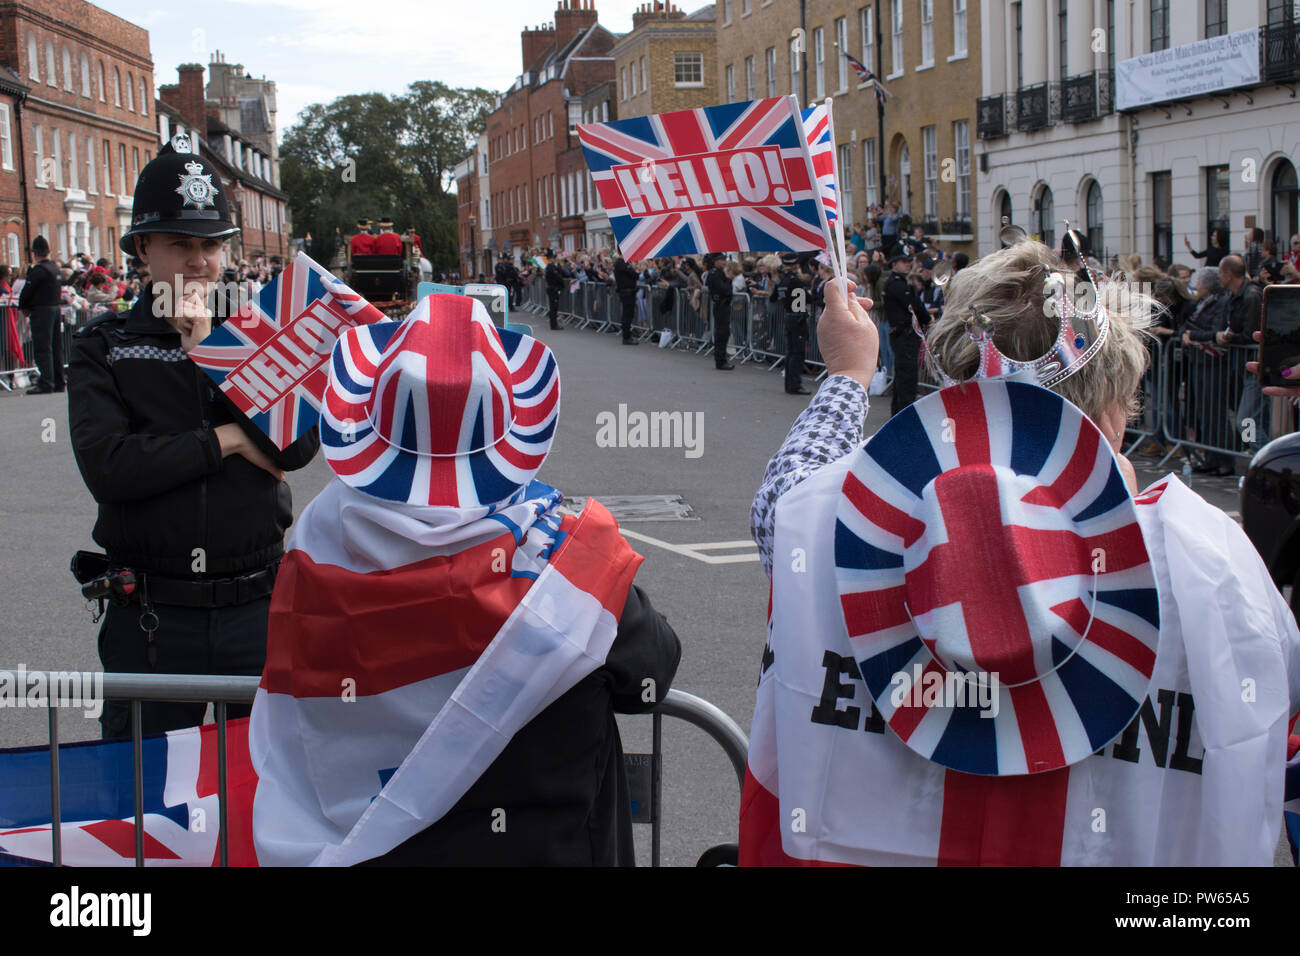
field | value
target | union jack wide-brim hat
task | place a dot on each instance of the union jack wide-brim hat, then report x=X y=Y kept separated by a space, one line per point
x=441 y=408
x=993 y=578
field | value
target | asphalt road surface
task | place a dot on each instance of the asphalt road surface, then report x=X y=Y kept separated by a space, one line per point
x=701 y=571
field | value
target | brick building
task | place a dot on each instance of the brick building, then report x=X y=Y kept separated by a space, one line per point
x=473 y=185
x=540 y=189
x=260 y=209
x=13 y=218
x=927 y=52
x=247 y=104
x=668 y=61
x=85 y=127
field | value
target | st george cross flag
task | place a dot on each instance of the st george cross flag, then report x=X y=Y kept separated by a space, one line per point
x=1197 y=778
x=97 y=812
x=817 y=129
x=717 y=179
x=269 y=358
x=407 y=645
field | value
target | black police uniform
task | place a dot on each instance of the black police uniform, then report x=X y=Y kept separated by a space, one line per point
x=557 y=280
x=902 y=302
x=625 y=279
x=719 y=287
x=40 y=299
x=203 y=533
x=507 y=275
x=796 y=328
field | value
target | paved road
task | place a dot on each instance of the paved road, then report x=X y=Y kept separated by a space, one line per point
x=715 y=597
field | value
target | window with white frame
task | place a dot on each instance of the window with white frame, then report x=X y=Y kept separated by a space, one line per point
x=961 y=141
x=688 y=68
x=896 y=36
x=121 y=170
x=130 y=95
x=56 y=152
x=33 y=58
x=731 y=83
x=842 y=47
x=62 y=232
x=726 y=12
x=85 y=76
x=958 y=28
x=819 y=61
x=102 y=94
x=745 y=7
x=869 y=171
x=74 y=174
x=11 y=246
x=643 y=83
x=144 y=97
x=927 y=32
x=867 y=27
x=930 y=153
x=51 y=75
x=6 y=138
x=749 y=77
x=90 y=165
x=622 y=83
x=845 y=175
x=771 y=71
x=108 y=168
x=67 y=69
x=117 y=87
x=38 y=150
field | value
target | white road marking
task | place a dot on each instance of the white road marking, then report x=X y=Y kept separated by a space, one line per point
x=695 y=550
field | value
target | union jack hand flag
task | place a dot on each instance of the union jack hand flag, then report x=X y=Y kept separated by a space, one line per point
x=270 y=358
x=724 y=179
x=867 y=76
x=817 y=127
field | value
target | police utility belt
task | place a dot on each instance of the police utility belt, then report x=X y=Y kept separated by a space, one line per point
x=102 y=581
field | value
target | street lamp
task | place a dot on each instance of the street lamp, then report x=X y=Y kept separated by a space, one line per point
x=473 y=256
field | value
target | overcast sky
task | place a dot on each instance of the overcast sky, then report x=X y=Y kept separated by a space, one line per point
x=316 y=50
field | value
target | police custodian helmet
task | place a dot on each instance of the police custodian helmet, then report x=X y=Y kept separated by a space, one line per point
x=178 y=192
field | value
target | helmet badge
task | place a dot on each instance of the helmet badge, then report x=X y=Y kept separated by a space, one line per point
x=196 y=187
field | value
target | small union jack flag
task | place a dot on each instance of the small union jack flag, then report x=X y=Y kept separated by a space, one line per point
x=817 y=127
x=723 y=179
x=866 y=76
x=270 y=358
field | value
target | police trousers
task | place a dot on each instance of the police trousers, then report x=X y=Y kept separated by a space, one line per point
x=796 y=342
x=188 y=640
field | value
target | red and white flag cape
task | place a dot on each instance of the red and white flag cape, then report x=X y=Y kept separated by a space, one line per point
x=1196 y=780
x=407 y=645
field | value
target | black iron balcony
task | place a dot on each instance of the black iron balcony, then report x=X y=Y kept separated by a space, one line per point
x=1031 y=107
x=1279 y=52
x=992 y=117
x=1078 y=99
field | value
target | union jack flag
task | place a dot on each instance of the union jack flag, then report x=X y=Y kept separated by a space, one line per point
x=817 y=128
x=867 y=76
x=247 y=353
x=724 y=178
x=944 y=557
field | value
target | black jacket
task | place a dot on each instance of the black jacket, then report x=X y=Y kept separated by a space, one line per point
x=557 y=278
x=560 y=780
x=1244 y=308
x=719 y=286
x=901 y=298
x=783 y=293
x=41 y=290
x=142 y=418
x=625 y=279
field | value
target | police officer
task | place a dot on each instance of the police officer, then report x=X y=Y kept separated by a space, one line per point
x=791 y=293
x=625 y=280
x=557 y=280
x=40 y=298
x=902 y=305
x=931 y=294
x=719 y=289
x=507 y=275
x=191 y=494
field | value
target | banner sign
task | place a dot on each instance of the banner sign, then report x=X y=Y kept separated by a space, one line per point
x=269 y=358
x=718 y=179
x=1193 y=69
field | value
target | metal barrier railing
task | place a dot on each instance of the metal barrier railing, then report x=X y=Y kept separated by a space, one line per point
x=18 y=367
x=221 y=691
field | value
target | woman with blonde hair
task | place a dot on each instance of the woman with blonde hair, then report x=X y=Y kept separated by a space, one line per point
x=974 y=606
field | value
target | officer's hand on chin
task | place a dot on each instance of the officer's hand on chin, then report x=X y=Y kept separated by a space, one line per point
x=233 y=441
x=193 y=320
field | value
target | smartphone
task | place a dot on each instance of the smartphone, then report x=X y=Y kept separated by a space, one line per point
x=1279 y=346
x=495 y=298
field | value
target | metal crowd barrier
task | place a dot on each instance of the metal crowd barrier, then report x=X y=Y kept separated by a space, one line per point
x=1205 y=399
x=221 y=691
x=17 y=368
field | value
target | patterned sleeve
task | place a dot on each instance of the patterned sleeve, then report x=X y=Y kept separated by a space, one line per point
x=827 y=430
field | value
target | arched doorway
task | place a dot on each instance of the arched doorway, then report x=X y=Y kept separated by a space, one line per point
x=1092 y=220
x=1286 y=199
x=1004 y=207
x=1043 y=219
x=905 y=180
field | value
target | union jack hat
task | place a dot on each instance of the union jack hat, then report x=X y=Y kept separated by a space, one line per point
x=440 y=409
x=994 y=581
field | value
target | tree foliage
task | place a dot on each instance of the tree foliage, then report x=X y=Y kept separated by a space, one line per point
x=375 y=155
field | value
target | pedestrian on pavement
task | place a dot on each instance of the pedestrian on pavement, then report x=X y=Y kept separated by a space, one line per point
x=191 y=494
x=541 y=636
x=40 y=298
x=981 y=672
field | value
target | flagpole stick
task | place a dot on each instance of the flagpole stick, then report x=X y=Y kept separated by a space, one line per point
x=839 y=205
x=797 y=115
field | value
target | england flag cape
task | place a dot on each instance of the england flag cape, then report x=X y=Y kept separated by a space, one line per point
x=1196 y=779
x=407 y=645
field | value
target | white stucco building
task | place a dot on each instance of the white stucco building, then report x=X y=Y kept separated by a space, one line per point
x=1079 y=121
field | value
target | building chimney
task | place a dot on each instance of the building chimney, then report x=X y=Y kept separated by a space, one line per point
x=536 y=43
x=571 y=18
x=192 y=102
